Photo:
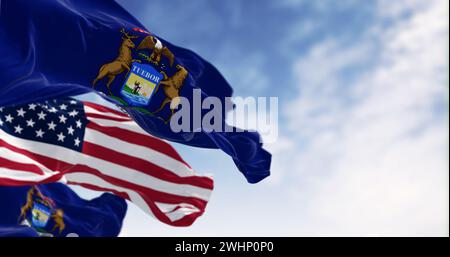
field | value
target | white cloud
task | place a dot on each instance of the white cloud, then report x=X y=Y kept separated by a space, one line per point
x=321 y=6
x=244 y=70
x=372 y=152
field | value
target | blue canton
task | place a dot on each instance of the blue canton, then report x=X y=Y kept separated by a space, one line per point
x=59 y=122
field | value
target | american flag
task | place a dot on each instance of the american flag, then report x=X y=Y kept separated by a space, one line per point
x=99 y=148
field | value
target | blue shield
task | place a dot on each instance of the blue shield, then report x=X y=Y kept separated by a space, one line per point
x=40 y=215
x=140 y=85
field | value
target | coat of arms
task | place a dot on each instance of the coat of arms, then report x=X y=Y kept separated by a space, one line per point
x=145 y=67
x=39 y=210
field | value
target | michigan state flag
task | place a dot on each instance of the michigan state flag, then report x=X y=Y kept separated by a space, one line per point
x=54 y=210
x=53 y=49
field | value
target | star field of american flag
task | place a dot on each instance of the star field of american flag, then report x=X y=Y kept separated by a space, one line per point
x=59 y=122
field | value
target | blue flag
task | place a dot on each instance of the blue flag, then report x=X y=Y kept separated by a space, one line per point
x=51 y=49
x=55 y=210
x=17 y=231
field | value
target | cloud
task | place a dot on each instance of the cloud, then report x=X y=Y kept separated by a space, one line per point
x=372 y=145
x=247 y=72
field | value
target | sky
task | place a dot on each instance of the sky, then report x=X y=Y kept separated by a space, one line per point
x=363 y=90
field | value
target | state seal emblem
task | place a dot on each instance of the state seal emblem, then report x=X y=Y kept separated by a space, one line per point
x=40 y=215
x=143 y=66
x=142 y=82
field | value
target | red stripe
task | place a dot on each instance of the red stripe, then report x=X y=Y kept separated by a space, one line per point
x=13 y=182
x=131 y=136
x=5 y=163
x=105 y=117
x=149 y=195
x=102 y=108
x=138 y=139
x=143 y=166
x=187 y=220
x=145 y=192
x=49 y=163
x=103 y=189
x=63 y=167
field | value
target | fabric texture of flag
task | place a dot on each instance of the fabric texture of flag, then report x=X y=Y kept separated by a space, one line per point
x=53 y=49
x=18 y=231
x=54 y=210
x=99 y=148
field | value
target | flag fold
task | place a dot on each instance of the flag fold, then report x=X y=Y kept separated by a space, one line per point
x=54 y=210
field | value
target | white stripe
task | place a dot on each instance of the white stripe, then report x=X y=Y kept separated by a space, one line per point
x=95 y=97
x=141 y=152
x=185 y=209
x=86 y=178
x=18 y=157
x=94 y=180
x=128 y=125
x=21 y=175
x=88 y=109
x=108 y=168
x=166 y=209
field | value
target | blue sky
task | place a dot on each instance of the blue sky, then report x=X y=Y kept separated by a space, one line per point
x=363 y=116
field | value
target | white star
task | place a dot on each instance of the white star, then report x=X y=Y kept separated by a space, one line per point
x=39 y=133
x=73 y=113
x=1 y=109
x=70 y=130
x=51 y=126
x=53 y=110
x=79 y=124
x=63 y=107
x=61 y=137
x=77 y=142
x=41 y=115
x=21 y=112
x=62 y=119
x=18 y=129
x=1 y=122
x=32 y=107
x=9 y=118
x=30 y=123
x=73 y=102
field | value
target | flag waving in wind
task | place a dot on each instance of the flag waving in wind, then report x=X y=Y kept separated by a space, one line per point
x=55 y=210
x=54 y=49
x=99 y=148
